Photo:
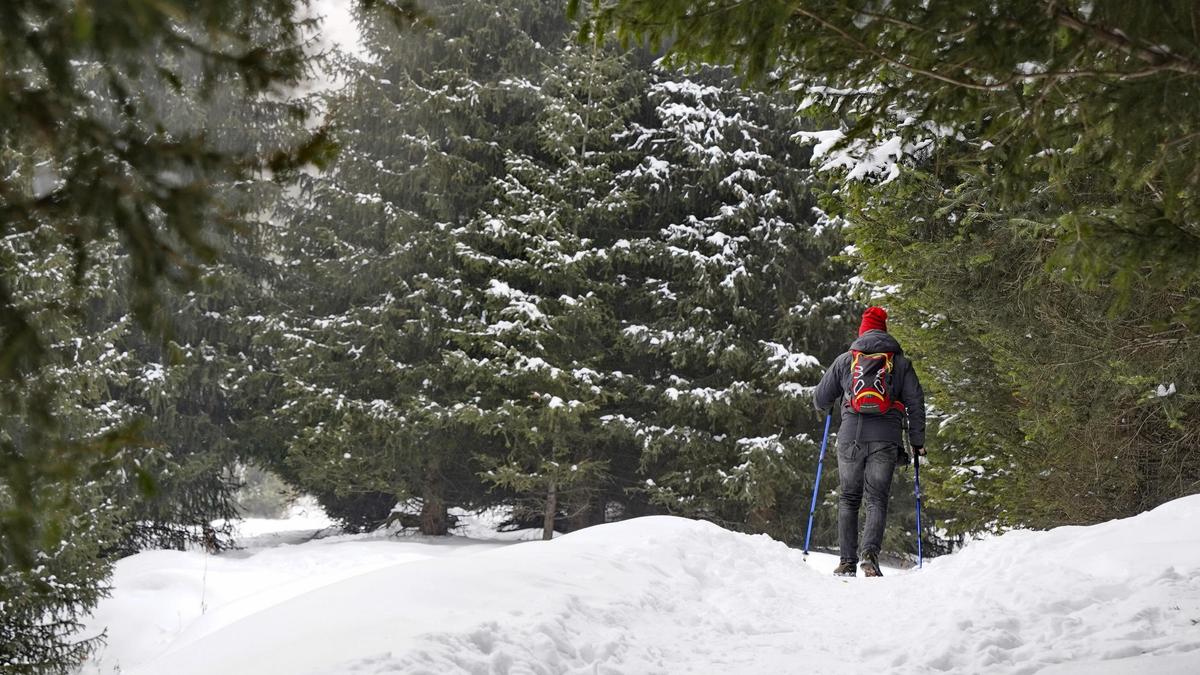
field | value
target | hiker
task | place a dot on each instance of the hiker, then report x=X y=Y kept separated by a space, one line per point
x=878 y=388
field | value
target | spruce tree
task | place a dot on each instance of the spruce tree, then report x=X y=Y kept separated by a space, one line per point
x=114 y=433
x=375 y=296
x=94 y=160
x=730 y=303
x=537 y=338
x=201 y=411
x=79 y=524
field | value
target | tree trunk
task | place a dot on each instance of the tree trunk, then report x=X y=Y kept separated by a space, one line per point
x=434 y=520
x=551 y=510
x=583 y=514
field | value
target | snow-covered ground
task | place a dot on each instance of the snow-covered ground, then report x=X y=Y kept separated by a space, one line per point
x=661 y=595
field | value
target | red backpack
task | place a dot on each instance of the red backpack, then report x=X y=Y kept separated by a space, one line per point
x=871 y=383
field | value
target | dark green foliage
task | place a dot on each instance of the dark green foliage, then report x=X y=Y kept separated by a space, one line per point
x=1049 y=400
x=1040 y=257
x=374 y=297
x=40 y=606
x=42 y=596
x=105 y=139
x=208 y=400
x=728 y=303
x=536 y=338
x=1052 y=87
x=72 y=100
x=563 y=278
x=88 y=159
x=128 y=148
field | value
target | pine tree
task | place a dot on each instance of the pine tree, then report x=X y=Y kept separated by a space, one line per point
x=536 y=338
x=195 y=407
x=730 y=303
x=116 y=434
x=81 y=505
x=374 y=295
x=95 y=162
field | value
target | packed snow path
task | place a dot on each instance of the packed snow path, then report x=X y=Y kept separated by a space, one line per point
x=668 y=595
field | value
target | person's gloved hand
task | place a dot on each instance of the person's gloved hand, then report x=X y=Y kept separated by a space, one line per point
x=919 y=449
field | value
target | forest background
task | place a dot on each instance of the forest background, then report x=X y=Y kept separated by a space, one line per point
x=583 y=262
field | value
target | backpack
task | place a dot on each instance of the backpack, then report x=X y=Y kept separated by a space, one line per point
x=871 y=383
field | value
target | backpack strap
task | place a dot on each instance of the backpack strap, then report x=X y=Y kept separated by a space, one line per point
x=898 y=384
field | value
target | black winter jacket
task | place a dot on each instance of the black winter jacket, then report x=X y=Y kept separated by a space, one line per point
x=905 y=387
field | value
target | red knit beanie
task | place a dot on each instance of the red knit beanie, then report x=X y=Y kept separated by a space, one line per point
x=875 y=318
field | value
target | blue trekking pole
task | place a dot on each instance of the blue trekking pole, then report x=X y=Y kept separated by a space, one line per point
x=916 y=492
x=816 y=485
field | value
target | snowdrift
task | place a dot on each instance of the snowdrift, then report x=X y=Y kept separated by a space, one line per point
x=668 y=595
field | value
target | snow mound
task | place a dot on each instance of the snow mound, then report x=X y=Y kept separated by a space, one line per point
x=668 y=595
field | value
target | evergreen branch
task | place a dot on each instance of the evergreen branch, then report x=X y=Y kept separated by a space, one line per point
x=1158 y=59
x=894 y=62
x=884 y=18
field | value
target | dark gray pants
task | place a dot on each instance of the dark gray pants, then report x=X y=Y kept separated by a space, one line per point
x=865 y=466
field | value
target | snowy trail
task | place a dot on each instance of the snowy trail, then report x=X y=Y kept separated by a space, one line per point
x=667 y=595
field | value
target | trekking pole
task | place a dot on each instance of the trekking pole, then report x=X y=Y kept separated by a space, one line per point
x=916 y=491
x=816 y=485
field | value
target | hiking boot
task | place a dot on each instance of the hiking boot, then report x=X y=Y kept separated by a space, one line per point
x=846 y=569
x=870 y=565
